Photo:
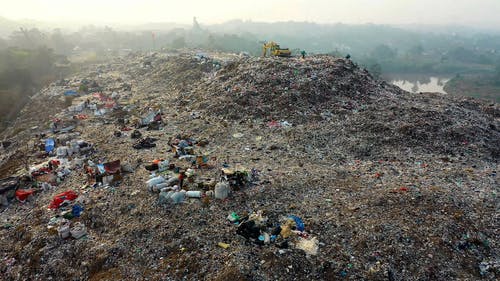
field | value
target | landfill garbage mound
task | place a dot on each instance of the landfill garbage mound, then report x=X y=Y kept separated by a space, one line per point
x=212 y=166
x=292 y=90
x=362 y=114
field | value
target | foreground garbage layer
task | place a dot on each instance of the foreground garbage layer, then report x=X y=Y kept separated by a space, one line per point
x=389 y=185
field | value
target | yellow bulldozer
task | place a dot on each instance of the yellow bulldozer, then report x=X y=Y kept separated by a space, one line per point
x=275 y=50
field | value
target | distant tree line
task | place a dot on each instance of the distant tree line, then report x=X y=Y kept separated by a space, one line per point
x=379 y=47
x=420 y=60
x=30 y=57
x=22 y=73
x=27 y=62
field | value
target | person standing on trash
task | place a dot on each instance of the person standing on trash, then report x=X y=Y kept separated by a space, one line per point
x=303 y=53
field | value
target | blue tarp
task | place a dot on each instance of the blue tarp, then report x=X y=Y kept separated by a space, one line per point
x=70 y=93
x=298 y=223
x=49 y=145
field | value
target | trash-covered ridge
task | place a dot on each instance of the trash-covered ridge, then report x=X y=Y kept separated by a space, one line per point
x=215 y=166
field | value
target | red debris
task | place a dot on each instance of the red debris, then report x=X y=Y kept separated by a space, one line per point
x=59 y=199
x=112 y=167
x=274 y=124
x=22 y=194
x=80 y=116
x=109 y=104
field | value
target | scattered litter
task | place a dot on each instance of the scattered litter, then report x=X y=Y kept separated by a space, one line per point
x=358 y=161
x=223 y=245
x=62 y=198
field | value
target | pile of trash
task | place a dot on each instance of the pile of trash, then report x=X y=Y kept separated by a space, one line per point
x=210 y=165
x=192 y=176
x=256 y=228
x=296 y=91
x=59 y=162
x=64 y=224
x=331 y=103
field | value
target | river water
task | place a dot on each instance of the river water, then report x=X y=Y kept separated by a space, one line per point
x=419 y=83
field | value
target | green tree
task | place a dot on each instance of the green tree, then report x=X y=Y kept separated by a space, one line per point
x=42 y=62
x=211 y=42
x=59 y=43
x=179 y=42
x=416 y=50
x=383 y=52
x=27 y=38
x=462 y=54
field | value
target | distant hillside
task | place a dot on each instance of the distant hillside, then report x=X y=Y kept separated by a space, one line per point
x=7 y=26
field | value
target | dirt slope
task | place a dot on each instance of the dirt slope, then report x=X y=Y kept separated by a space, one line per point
x=394 y=185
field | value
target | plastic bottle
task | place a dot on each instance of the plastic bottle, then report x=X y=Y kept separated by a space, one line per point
x=154 y=181
x=164 y=196
x=163 y=166
x=177 y=197
x=159 y=187
x=221 y=190
x=162 y=185
x=173 y=180
x=193 y=194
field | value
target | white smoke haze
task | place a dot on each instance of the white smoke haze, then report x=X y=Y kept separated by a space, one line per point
x=477 y=13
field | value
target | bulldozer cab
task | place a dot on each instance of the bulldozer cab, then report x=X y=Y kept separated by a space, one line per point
x=275 y=50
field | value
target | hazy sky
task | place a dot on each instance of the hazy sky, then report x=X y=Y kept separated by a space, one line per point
x=463 y=12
